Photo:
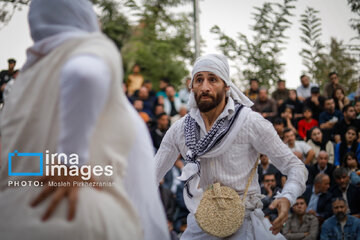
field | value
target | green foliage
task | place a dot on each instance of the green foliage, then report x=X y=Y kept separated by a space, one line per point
x=160 y=43
x=311 y=32
x=355 y=22
x=261 y=54
x=340 y=61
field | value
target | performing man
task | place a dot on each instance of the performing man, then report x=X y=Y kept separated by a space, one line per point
x=220 y=139
x=68 y=99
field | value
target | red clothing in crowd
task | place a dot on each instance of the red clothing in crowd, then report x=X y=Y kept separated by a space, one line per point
x=304 y=126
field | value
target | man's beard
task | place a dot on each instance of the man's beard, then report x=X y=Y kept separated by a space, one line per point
x=340 y=216
x=206 y=106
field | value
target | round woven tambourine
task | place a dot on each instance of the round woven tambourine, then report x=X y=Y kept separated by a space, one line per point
x=221 y=211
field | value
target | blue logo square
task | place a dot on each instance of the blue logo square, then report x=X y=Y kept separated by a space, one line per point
x=15 y=153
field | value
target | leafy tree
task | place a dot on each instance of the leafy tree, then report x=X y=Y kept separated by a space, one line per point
x=311 y=32
x=261 y=53
x=160 y=43
x=340 y=61
x=355 y=22
x=8 y=8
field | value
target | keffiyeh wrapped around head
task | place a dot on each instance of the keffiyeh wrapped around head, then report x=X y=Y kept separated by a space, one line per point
x=217 y=64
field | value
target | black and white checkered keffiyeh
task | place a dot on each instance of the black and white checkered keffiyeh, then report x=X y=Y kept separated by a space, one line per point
x=198 y=147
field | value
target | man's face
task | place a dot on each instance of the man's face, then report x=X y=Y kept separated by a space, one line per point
x=138 y=105
x=307 y=114
x=143 y=93
x=339 y=209
x=263 y=95
x=279 y=128
x=264 y=159
x=299 y=207
x=350 y=113
x=324 y=185
x=330 y=105
x=163 y=84
x=289 y=137
x=254 y=85
x=170 y=91
x=305 y=81
x=323 y=159
x=11 y=66
x=136 y=69
x=209 y=91
x=163 y=122
x=334 y=79
x=281 y=85
x=343 y=181
x=357 y=107
x=292 y=95
x=270 y=179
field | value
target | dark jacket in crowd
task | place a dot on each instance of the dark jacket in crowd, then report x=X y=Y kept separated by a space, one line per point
x=353 y=197
x=314 y=170
x=324 y=208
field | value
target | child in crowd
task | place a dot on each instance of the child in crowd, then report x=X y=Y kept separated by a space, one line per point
x=306 y=123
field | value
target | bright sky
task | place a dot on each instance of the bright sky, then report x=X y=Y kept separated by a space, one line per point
x=232 y=16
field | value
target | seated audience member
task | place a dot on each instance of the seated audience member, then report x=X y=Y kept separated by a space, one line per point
x=329 y=118
x=253 y=91
x=301 y=225
x=182 y=112
x=184 y=93
x=349 y=143
x=348 y=120
x=264 y=105
x=163 y=83
x=269 y=189
x=148 y=102
x=321 y=166
x=265 y=167
x=341 y=225
x=288 y=118
x=138 y=105
x=315 y=102
x=281 y=94
x=317 y=197
x=306 y=123
x=300 y=148
x=279 y=126
x=319 y=143
x=352 y=165
x=330 y=87
x=158 y=133
x=340 y=99
x=172 y=102
x=304 y=90
x=294 y=103
x=348 y=191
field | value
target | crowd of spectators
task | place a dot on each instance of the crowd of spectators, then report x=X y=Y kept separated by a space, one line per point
x=321 y=127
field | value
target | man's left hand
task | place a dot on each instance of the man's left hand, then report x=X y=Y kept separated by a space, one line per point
x=283 y=206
